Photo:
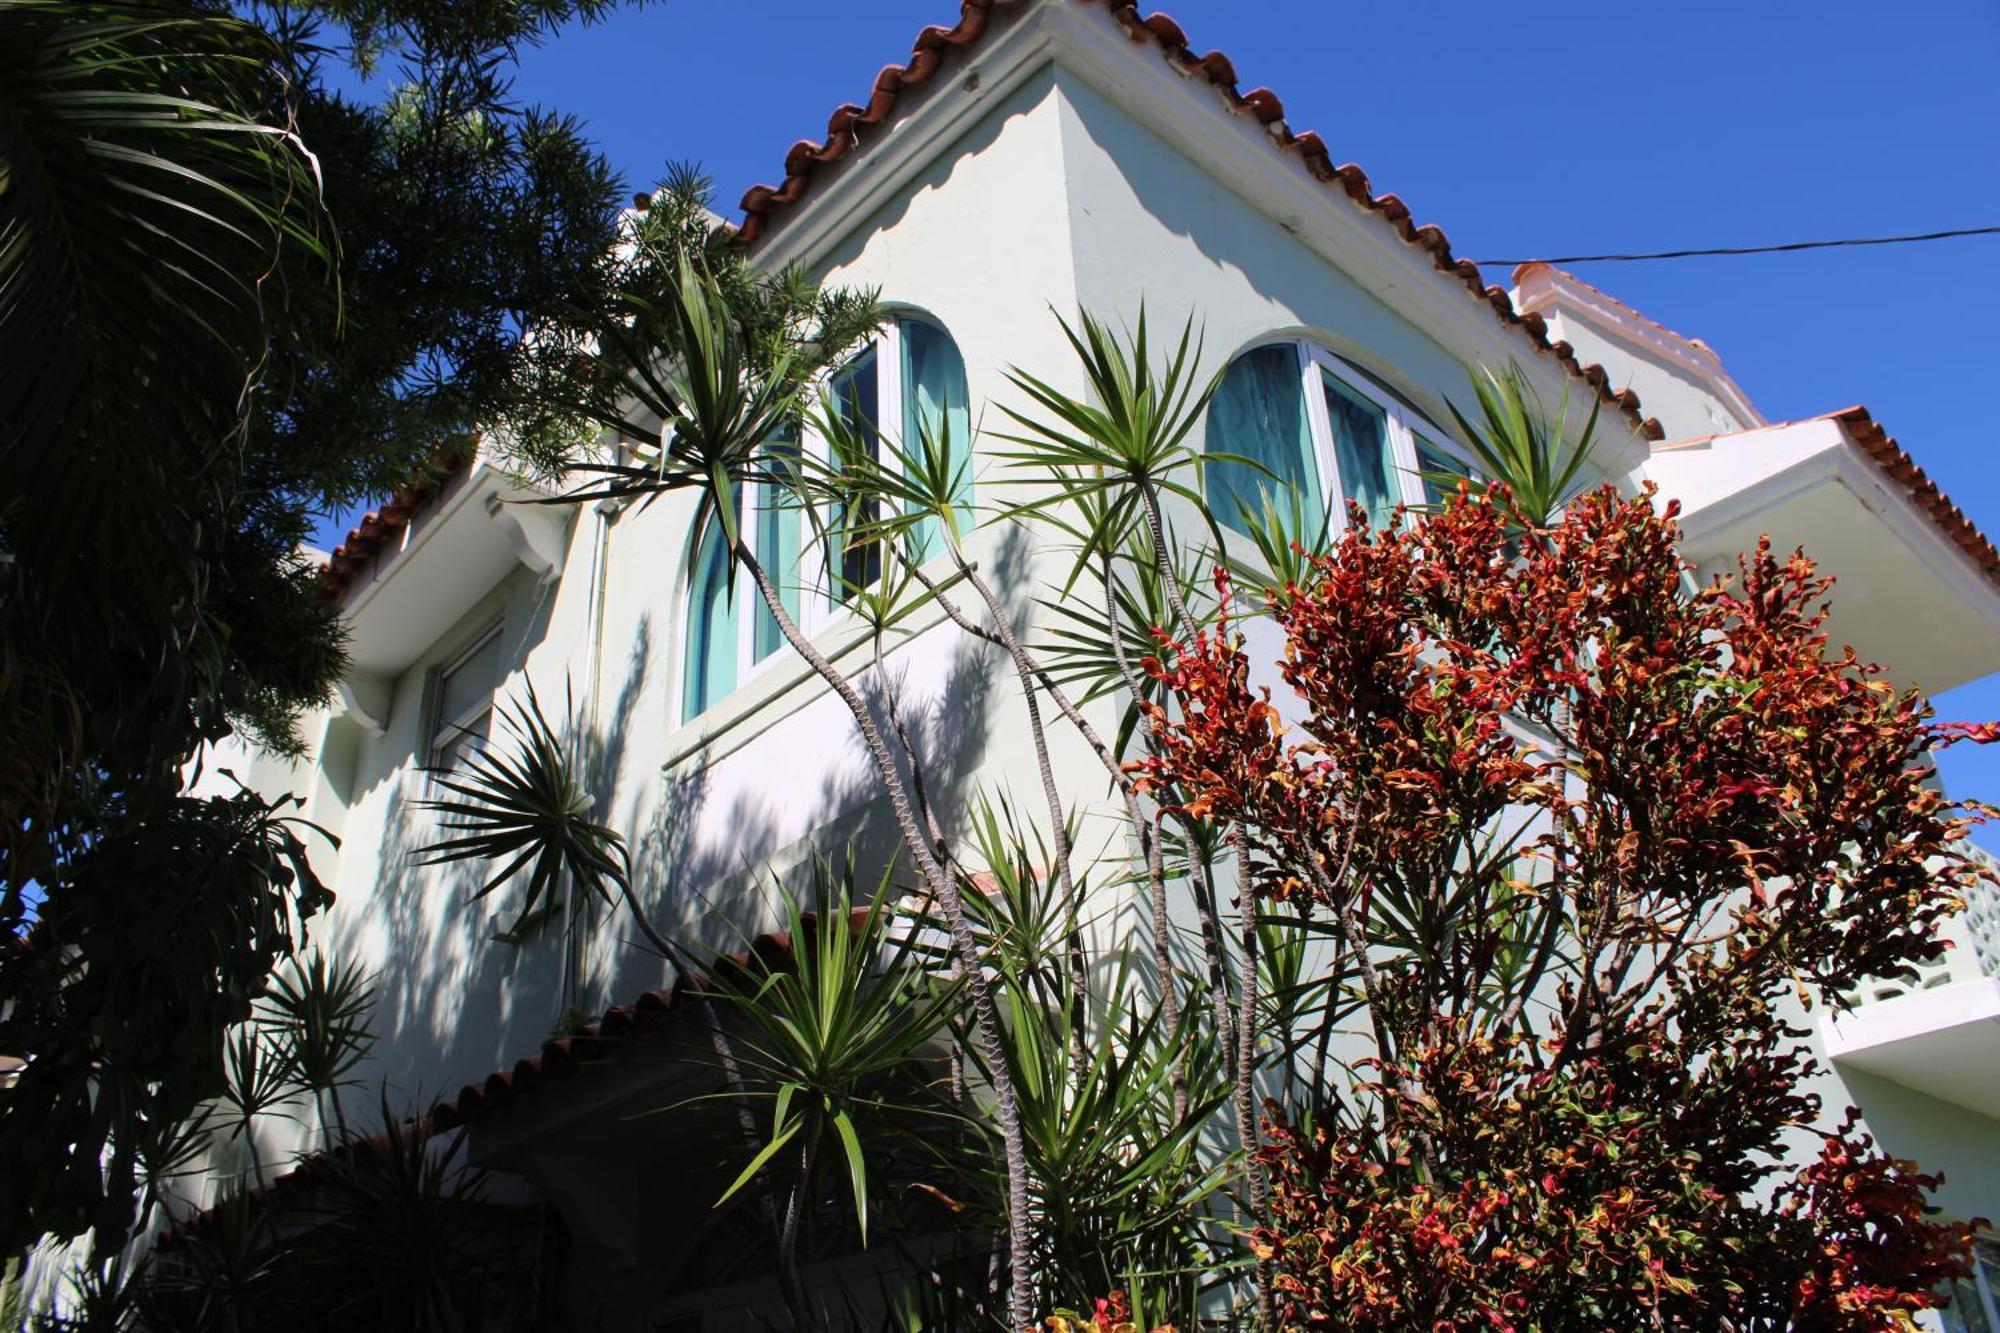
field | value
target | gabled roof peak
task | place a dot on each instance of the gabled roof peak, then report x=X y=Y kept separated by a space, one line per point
x=1543 y=289
x=936 y=46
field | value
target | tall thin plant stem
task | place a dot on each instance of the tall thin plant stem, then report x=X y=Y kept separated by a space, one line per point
x=1024 y=671
x=1244 y=1090
x=943 y=888
x=1142 y=827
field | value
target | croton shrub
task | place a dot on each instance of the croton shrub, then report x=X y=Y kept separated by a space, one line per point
x=1583 y=839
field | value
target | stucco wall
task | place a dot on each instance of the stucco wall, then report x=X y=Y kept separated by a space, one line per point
x=1056 y=197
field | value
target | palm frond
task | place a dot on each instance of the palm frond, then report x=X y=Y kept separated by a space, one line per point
x=149 y=182
x=521 y=803
x=1519 y=446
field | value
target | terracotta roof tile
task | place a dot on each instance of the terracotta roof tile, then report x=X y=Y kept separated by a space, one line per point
x=763 y=204
x=379 y=527
x=1899 y=467
x=609 y=1036
x=560 y=1057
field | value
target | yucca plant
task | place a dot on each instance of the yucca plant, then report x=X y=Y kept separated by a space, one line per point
x=720 y=404
x=1519 y=446
x=257 y=1077
x=834 y=1038
x=1127 y=447
x=522 y=804
x=318 y=1015
x=408 y=1240
x=1123 y=1185
x=100 y=1297
x=1126 y=444
x=218 y=1276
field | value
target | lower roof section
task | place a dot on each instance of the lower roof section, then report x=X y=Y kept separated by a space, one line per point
x=1916 y=585
x=1943 y=1042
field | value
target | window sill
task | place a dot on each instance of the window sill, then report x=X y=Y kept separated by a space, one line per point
x=785 y=683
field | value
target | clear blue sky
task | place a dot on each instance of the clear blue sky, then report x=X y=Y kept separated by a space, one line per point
x=1524 y=130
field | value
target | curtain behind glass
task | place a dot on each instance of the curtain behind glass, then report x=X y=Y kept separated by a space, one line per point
x=936 y=407
x=1361 y=451
x=711 y=631
x=1259 y=413
x=778 y=529
x=854 y=395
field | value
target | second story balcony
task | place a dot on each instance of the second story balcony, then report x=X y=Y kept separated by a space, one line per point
x=1939 y=1033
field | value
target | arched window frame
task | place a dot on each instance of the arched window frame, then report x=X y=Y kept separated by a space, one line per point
x=817 y=604
x=753 y=501
x=1404 y=426
x=891 y=400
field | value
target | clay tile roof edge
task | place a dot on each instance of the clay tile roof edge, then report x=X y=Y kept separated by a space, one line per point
x=1896 y=464
x=557 y=1059
x=615 y=1028
x=380 y=527
x=762 y=204
x=1699 y=356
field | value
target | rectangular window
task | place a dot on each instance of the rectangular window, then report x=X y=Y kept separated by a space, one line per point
x=462 y=718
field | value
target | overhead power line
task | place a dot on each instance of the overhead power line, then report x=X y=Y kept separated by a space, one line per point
x=1750 y=249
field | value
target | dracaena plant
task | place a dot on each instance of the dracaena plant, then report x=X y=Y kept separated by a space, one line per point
x=1538 y=459
x=1126 y=1195
x=1568 y=833
x=316 y=1022
x=705 y=380
x=833 y=1040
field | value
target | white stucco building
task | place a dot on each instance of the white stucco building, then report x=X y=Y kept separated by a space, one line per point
x=1043 y=155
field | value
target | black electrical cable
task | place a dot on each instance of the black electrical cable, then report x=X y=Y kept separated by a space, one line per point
x=1750 y=249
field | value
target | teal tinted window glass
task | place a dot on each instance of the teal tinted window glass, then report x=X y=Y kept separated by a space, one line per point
x=854 y=396
x=937 y=415
x=1361 y=451
x=711 y=628
x=1436 y=470
x=1259 y=413
x=779 y=524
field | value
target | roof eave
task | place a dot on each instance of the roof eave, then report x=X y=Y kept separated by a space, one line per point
x=832 y=186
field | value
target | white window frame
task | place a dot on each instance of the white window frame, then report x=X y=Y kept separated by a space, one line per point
x=751 y=500
x=827 y=608
x=819 y=606
x=1403 y=427
x=442 y=731
x=1401 y=423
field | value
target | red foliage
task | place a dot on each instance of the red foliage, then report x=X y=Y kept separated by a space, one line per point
x=1582 y=831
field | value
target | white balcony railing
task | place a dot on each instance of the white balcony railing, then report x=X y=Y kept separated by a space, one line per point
x=1974 y=937
x=1939 y=1032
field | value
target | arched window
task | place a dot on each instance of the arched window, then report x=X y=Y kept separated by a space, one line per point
x=778 y=529
x=730 y=630
x=936 y=408
x=910 y=380
x=1259 y=414
x=1319 y=431
x=710 y=670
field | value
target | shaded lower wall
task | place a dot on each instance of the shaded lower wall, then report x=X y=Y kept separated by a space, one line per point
x=1939 y=1137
